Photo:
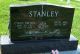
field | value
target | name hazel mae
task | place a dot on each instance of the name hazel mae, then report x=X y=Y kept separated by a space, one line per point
x=43 y=13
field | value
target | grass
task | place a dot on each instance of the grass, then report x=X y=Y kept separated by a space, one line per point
x=5 y=12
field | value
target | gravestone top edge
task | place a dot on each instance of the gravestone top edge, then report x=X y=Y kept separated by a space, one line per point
x=41 y=3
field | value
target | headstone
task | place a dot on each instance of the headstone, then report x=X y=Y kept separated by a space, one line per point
x=40 y=21
x=40 y=28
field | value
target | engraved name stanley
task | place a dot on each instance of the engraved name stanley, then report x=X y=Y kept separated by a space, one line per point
x=43 y=13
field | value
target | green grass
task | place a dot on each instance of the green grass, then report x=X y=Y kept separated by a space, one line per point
x=5 y=12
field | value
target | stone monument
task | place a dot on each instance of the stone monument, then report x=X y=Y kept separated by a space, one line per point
x=40 y=21
x=41 y=27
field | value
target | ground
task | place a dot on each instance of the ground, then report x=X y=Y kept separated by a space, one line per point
x=5 y=13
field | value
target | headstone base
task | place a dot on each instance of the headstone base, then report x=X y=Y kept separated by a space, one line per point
x=40 y=46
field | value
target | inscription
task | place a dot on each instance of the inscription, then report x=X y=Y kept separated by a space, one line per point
x=43 y=13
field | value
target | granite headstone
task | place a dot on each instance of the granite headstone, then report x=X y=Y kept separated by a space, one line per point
x=40 y=21
x=39 y=28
